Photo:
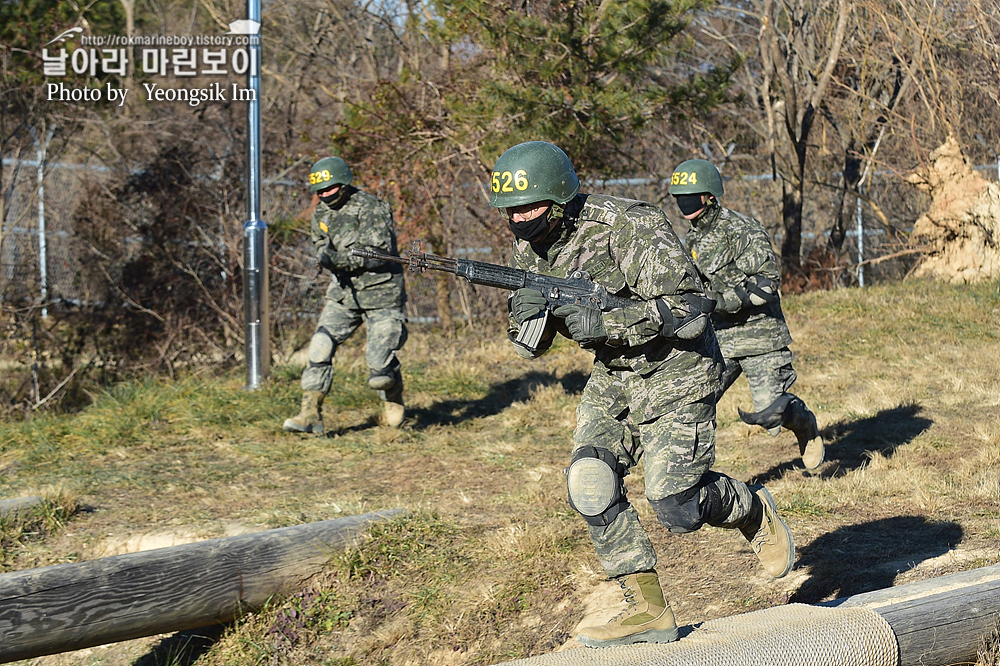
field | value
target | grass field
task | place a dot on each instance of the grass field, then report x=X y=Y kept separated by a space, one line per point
x=491 y=563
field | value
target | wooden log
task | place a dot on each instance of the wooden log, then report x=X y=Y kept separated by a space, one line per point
x=939 y=621
x=10 y=507
x=73 y=606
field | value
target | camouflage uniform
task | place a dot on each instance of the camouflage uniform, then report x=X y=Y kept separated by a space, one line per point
x=728 y=248
x=645 y=389
x=356 y=295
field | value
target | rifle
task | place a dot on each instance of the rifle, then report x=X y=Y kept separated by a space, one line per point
x=577 y=289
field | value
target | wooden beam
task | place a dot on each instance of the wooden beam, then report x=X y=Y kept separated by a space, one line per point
x=73 y=606
x=939 y=621
x=10 y=507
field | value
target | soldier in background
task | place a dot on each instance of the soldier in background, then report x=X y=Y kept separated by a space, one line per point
x=362 y=290
x=734 y=256
x=656 y=370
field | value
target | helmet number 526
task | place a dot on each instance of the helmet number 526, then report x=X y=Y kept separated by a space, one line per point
x=519 y=179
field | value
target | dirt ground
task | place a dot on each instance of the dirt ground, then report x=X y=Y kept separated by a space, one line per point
x=493 y=565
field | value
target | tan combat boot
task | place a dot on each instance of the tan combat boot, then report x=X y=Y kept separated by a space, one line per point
x=802 y=422
x=648 y=618
x=811 y=445
x=770 y=539
x=394 y=413
x=310 y=419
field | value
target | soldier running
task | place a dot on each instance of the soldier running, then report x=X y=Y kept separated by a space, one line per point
x=656 y=371
x=362 y=290
x=739 y=269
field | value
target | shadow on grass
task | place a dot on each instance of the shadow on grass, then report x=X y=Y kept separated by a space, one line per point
x=183 y=648
x=499 y=397
x=866 y=557
x=849 y=443
x=369 y=423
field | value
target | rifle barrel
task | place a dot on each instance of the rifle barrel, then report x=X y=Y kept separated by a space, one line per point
x=417 y=261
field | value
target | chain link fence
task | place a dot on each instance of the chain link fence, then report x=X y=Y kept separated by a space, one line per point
x=297 y=288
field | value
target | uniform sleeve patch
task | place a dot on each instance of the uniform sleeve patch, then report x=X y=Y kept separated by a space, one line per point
x=324 y=227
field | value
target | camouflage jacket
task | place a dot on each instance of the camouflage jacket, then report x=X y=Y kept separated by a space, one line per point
x=728 y=248
x=630 y=248
x=362 y=220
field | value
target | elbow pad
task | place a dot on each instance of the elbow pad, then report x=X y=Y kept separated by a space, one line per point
x=692 y=325
x=761 y=290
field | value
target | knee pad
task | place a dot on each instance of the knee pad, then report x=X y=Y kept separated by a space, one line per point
x=387 y=378
x=595 y=484
x=321 y=348
x=687 y=511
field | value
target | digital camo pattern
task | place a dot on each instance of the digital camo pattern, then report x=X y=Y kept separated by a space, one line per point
x=769 y=375
x=355 y=296
x=678 y=453
x=630 y=248
x=362 y=221
x=386 y=330
x=729 y=247
x=644 y=390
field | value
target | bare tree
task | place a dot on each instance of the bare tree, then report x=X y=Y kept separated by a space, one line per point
x=799 y=44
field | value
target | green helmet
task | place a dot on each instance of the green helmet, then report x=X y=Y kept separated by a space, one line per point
x=328 y=172
x=696 y=177
x=532 y=172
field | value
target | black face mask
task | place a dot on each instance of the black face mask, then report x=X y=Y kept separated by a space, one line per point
x=532 y=230
x=689 y=203
x=333 y=199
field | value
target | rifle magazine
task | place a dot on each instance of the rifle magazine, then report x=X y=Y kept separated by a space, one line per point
x=531 y=331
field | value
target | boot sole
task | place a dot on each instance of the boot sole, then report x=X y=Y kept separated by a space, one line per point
x=765 y=495
x=648 y=636
x=291 y=427
x=822 y=455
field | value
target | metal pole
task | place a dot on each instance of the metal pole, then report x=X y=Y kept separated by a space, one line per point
x=861 y=243
x=256 y=301
x=43 y=265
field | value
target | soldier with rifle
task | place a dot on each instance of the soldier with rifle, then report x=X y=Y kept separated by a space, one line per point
x=610 y=274
x=362 y=290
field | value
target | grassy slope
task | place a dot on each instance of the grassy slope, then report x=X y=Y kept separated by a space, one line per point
x=492 y=565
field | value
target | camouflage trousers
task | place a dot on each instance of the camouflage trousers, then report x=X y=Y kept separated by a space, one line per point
x=769 y=375
x=386 y=335
x=676 y=450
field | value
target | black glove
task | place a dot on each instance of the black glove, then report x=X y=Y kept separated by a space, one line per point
x=525 y=304
x=693 y=322
x=744 y=297
x=334 y=261
x=732 y=305
x=720 y=301
x=585 y=324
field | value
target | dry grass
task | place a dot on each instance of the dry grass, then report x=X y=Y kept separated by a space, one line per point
x=491 y=564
